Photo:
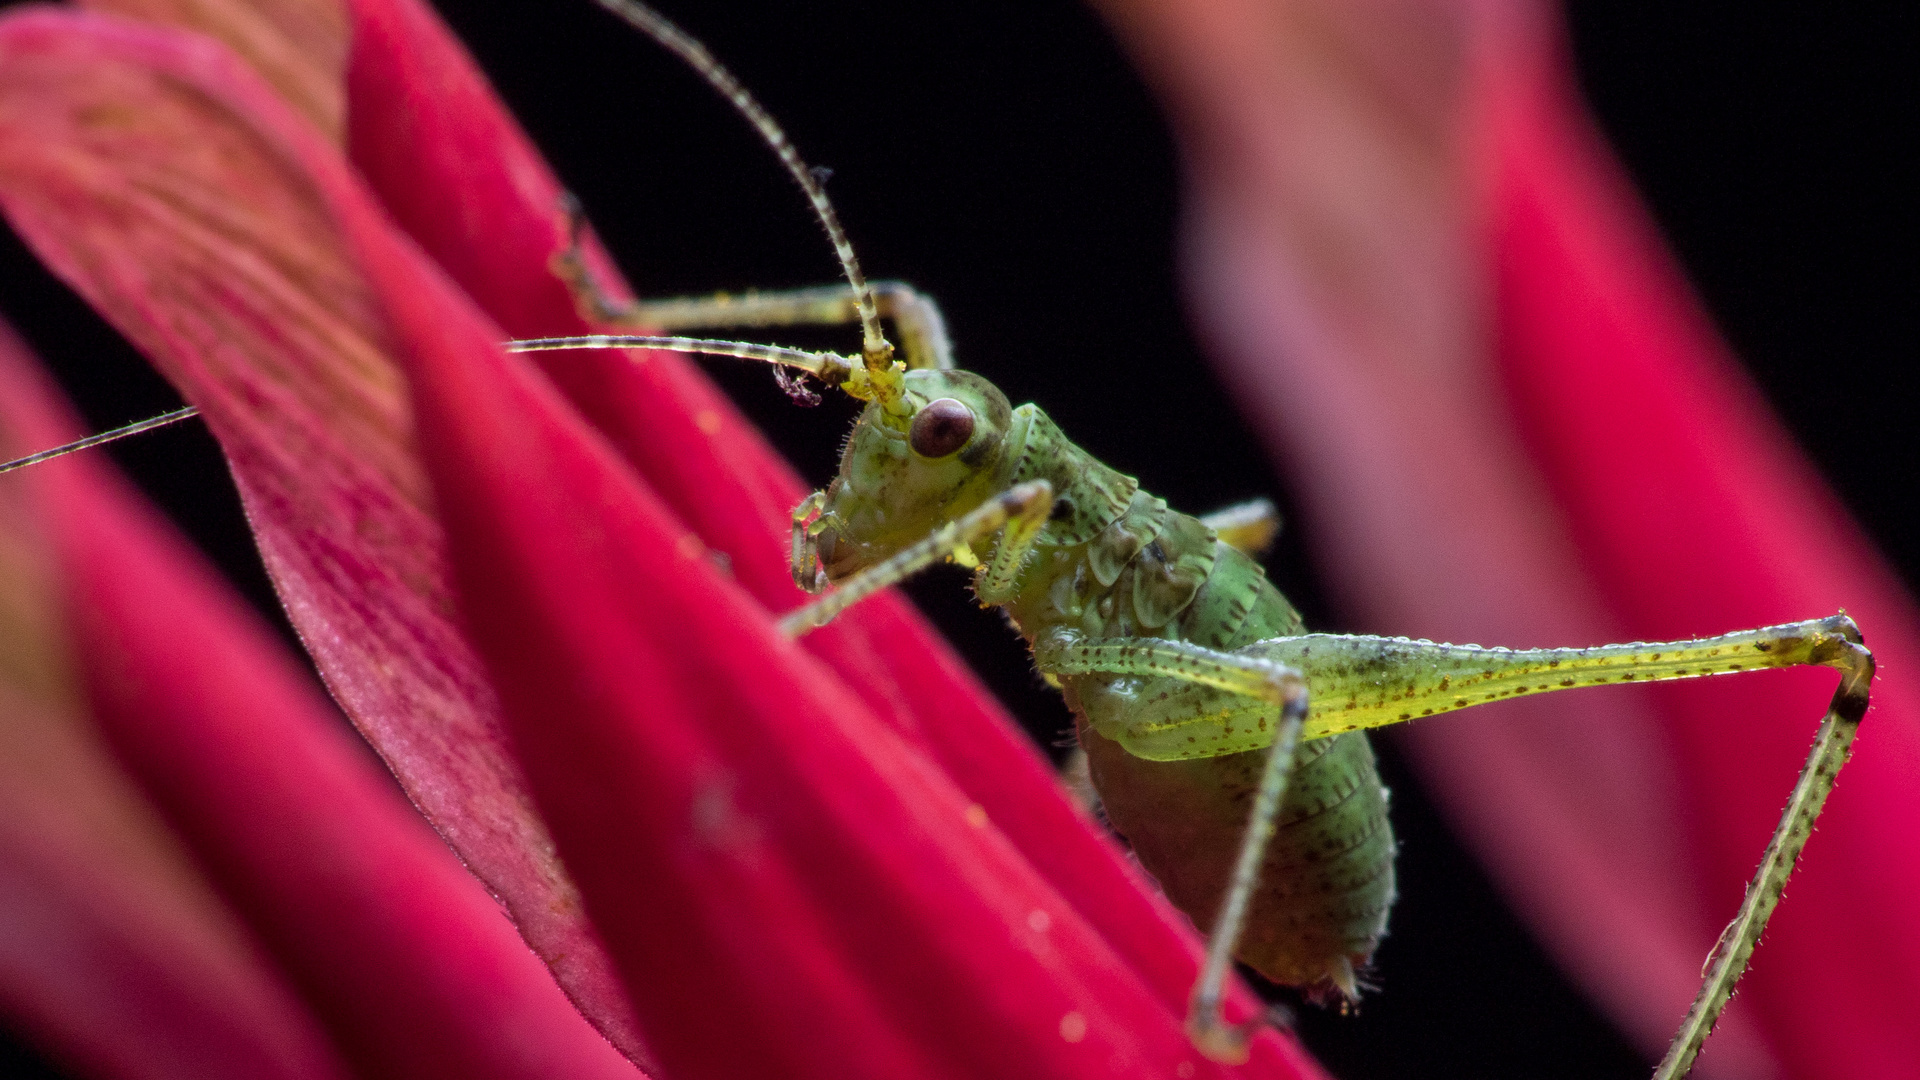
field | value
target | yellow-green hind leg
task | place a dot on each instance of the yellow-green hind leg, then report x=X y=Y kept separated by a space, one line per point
x=1360 y=682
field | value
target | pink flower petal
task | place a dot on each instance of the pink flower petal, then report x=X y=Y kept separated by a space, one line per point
x=116 y=956
x=166 y=184
x=394 y=945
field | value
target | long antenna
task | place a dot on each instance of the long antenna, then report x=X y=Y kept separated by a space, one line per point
x=875 y=350
x=882 y=382
x=830 y=368
x=104 y=437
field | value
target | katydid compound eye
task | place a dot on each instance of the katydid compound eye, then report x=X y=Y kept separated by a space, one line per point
x=942 y=428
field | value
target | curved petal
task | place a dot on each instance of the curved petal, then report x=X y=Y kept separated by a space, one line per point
x=222 y=264
x=393 y=944
x=298 y=46
x=116 y=955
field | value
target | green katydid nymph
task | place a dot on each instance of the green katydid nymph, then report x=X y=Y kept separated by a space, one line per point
x=1225 y=741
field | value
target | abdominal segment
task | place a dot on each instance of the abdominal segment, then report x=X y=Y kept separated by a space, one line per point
x=1327 y=883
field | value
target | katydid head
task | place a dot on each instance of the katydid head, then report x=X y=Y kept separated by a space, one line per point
x=899 y=481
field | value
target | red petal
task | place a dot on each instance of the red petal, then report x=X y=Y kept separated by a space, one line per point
x=168 y=186
x=115 y=955
x=396 y=947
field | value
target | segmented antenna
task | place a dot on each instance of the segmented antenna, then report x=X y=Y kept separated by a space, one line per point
x=830 y=368
x=875 y=350
x=101 y=439
x=877 y=380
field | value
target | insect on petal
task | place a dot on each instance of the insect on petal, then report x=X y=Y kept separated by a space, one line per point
x=697 y=452
x=790 y=880
x=665 y=724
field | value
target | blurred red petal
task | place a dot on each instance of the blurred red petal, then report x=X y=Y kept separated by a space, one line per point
x=702 y=458
x=1383 y=192
x=116 y=957
x=168 y=186
x=394 y=946
x=1618 y=377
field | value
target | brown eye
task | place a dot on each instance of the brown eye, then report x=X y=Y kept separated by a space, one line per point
x=942 y=428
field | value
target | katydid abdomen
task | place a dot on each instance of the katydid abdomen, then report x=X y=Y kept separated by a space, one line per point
x=1115 y=562
x=1327 y=882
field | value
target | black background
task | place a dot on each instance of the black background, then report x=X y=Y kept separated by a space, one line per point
x=1002 y=156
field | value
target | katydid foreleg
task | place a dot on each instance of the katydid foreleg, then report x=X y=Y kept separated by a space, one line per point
x=1018 y=512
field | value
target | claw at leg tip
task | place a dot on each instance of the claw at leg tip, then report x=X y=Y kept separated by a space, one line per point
x=1221 y=1043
